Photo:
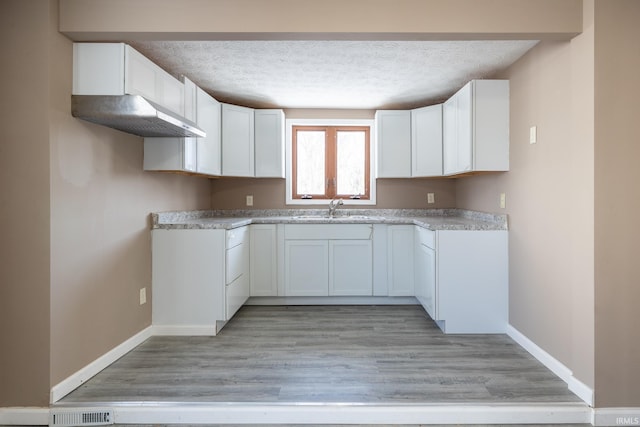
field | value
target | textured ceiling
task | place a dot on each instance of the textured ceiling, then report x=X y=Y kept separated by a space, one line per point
x=333 y=74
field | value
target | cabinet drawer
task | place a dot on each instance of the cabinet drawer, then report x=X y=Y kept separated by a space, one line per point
x=426 y=237
x=236 y=236
x=237 y=292
x=327 y=231
x=235 y=262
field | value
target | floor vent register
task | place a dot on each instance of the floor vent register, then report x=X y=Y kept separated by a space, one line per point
x=69 y=418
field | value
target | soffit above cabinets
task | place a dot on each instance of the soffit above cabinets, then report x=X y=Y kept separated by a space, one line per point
x=334 y=74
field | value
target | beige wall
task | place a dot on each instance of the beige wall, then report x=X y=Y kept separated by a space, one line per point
x=617 y=203
x=24 y=203
x=230 y=193
x=549 y=200
x=75 y=217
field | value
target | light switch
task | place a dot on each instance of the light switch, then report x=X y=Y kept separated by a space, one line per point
x=533 y=134
x=503 y=200
x=143 y=296
x=250 y=200
x=431 y=198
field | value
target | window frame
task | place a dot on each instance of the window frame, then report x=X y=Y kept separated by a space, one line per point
x=338 y=123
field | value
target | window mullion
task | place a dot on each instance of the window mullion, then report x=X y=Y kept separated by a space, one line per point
x=331 y=164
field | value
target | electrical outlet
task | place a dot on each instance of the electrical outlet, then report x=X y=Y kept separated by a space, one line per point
x=431 y=198
x=250 y=200
x=143 y=296
x=503 y=200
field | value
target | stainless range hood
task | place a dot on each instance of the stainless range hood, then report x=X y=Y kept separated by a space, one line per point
x=133 y=114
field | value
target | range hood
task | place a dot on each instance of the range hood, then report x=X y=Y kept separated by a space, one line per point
x=133 y=114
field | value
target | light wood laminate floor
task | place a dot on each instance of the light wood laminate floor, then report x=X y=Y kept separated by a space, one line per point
x=329 y=354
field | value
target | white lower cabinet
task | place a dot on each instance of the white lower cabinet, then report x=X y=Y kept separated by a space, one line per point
x=237 y=283
x=425 y=270
x=350 y=268
x=328 y=260
x=263 y=260
x=462 y=279
x=400 y=274
x=200 y=278
x=306 y=268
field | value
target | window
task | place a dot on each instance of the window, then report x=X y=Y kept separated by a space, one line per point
x=330 y=162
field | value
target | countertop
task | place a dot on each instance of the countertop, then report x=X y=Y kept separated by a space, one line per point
x=431 y=219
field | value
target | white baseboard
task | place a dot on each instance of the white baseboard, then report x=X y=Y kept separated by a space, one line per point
x=580 y=389
x=74 y=381
x=350 y=414
x=616 y=417
x=334 y=300
x=24 y=416
x=184 y=330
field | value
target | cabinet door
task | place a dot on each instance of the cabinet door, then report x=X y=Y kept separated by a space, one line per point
x=425 y=285
x=464 y=122
x=450 y=136
x=400 y=260
x=306 y=268
x=426 y=141
x=393 y=129
x=350 y=268
x=170 y=154
x=141 y=76
x=263 y=260
x=208 y=114
x=171 y=92
x=190 y=106
x=237 y=141
x=269 y=143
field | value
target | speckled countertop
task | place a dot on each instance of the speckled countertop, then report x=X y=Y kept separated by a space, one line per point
x=432 y=219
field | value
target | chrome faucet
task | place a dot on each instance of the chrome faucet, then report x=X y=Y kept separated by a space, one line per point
x=333 y=205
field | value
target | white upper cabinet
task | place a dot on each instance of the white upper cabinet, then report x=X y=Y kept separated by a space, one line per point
x=476 y=128
x=426 y=141
x=269 y=144
x=208 y=118
x=118 y=69
x=238 y=141
x=196 y=155
x=393 y=131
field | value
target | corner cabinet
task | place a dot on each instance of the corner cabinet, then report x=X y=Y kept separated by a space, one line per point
x=238 y=136
x=476 y=128
x=393 y=142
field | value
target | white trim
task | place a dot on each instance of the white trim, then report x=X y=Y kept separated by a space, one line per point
x=616 y=417
x=332 y=301
x=182 y=330
x=324 y=413
x=75 y=380
x=289 y=123
x=24 y=416
x=580 y=389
